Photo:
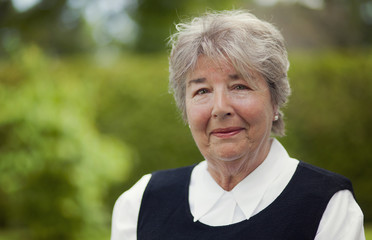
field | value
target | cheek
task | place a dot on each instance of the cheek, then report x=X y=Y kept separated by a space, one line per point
x=197 y=116
x=255 y=111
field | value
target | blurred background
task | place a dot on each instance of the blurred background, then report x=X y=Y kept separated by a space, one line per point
x=85 y=109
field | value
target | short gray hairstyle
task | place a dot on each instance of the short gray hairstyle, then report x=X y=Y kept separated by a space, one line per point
x=236 y=36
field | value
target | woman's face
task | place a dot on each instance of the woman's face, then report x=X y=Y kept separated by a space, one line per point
x=229 y=118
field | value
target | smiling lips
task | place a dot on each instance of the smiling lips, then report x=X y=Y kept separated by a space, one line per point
x=226 y=132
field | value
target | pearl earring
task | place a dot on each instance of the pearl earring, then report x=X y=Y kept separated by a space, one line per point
x=276 y=117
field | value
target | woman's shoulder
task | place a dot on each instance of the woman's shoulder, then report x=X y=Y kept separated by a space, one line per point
x=134 y=194
x=322 y=176
x=322 y=171
x=126 y=209
x=173 y=173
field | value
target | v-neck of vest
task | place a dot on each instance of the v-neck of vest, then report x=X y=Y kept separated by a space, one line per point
x=290 y=186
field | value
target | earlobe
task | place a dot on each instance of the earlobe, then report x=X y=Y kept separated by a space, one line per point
x=276 y=113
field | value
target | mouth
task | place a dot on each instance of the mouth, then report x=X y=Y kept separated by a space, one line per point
x=226 y=132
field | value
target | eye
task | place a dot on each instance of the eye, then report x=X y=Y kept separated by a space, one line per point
x=201 y=91
x=240 y=87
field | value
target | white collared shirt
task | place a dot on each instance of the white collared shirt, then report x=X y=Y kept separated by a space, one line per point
x=342 y=219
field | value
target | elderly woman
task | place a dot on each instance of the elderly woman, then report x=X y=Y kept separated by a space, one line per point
x=228 y=74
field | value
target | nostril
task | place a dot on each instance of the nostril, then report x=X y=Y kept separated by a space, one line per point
x=222 y=115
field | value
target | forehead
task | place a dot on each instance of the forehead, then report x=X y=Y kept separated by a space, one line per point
x=205 y=65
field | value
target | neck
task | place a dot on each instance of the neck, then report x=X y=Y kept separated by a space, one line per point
x=228 y=174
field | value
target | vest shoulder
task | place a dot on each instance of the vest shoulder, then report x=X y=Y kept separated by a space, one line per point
x=173 y=171
x=325 y=176
x=170 y=178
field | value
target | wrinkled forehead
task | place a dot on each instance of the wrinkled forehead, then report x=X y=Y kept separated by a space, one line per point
x=223 y=63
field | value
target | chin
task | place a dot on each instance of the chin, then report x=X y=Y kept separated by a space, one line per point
x=230 y=158
x=229 y=155
x=226 y=152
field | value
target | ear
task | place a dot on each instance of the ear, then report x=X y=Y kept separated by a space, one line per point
x=275 y=109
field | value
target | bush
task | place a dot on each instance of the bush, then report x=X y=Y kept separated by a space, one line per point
x=63 y=125
x=137 y=109
x=56 y=167
x=329 y=115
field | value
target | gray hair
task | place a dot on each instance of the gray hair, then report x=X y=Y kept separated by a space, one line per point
x=239 y=37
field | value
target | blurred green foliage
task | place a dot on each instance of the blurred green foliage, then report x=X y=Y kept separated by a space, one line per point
x=368 y=231
x=137 y=109
x=74 y=135
x=69 y=27
x=47 y=24
x=56 y=167
x=329 y=115
x=155 y=19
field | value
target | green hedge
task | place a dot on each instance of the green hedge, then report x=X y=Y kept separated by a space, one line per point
x=329 y=115
x=56 y=167
x=75 y=134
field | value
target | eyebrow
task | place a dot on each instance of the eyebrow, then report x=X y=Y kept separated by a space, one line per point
x=235 y=76
x=202 y=80
x=197 y=80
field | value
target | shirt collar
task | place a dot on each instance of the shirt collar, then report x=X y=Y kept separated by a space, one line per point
x=247 y=194
x=200 y=184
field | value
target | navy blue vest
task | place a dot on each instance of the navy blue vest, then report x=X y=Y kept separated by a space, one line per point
x=295 y=214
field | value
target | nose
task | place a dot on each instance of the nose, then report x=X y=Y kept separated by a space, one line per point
x=222 y=107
